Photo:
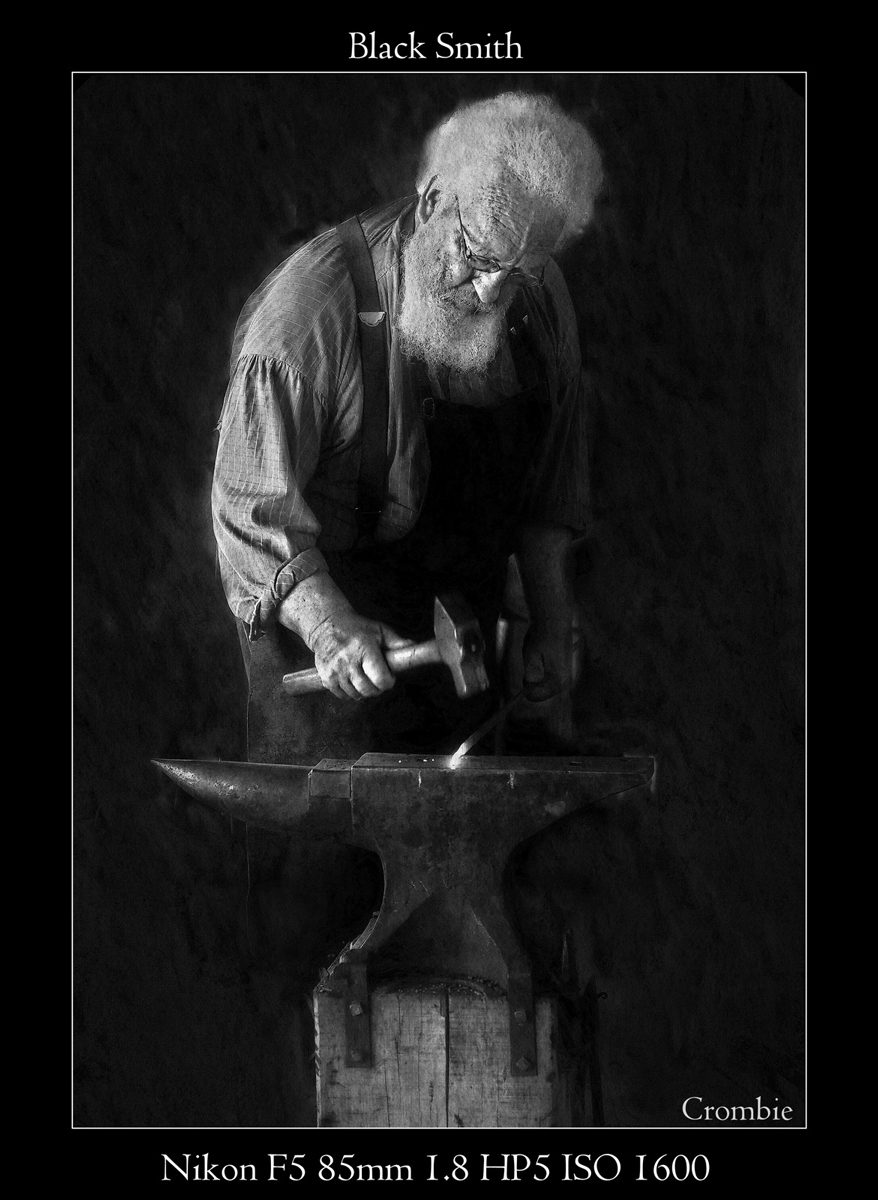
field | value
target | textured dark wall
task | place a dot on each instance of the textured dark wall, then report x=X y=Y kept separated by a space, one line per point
x=687 y=907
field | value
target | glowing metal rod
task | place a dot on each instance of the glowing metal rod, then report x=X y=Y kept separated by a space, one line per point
x=479 y=733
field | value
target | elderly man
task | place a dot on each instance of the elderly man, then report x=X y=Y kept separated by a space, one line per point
x=480 y=450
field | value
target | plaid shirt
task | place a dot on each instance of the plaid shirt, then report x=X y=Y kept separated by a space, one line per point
x=287 y=465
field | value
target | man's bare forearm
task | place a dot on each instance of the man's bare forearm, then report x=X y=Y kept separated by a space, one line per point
x=310 y=603
x=545 y=561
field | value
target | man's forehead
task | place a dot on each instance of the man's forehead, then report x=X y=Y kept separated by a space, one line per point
x=503 y=223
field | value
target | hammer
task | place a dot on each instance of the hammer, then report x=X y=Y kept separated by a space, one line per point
x=458 y=643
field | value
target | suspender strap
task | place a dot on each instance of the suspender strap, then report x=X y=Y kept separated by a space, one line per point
x=373 y=358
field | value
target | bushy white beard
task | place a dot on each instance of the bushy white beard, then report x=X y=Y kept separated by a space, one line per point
x=445 y=326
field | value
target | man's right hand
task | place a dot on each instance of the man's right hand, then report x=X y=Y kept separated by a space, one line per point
x=348 y=648
x=348 y=654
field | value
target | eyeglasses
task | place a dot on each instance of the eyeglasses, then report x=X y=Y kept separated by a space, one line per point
x=490 y=266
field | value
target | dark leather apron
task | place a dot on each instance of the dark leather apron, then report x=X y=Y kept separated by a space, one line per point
x=480 y=459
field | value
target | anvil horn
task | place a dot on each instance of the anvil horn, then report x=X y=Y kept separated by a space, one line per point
x=264 y=794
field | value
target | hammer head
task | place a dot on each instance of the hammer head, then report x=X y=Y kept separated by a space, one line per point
x=460 y=643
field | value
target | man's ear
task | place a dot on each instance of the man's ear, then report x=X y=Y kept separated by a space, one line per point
x=428 y=200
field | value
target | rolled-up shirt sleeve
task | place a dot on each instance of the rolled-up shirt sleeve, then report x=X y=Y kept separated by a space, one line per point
x=269 y=445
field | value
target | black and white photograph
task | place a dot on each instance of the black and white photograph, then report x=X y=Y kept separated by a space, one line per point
x=438 y=608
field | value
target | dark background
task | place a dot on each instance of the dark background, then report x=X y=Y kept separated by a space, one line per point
x=685 y=906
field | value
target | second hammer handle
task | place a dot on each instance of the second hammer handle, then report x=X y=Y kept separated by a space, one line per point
x=402 y=659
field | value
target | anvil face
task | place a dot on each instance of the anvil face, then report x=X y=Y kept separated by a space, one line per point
x=444 y=835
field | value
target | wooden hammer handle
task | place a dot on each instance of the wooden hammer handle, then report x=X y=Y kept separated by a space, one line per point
x=402 y=659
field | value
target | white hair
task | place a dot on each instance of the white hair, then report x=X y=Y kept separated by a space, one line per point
x=519 y=142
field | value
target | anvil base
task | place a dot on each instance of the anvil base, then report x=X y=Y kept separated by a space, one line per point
x=441 y=1059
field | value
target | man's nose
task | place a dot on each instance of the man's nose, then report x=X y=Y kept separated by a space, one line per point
x=488 y=285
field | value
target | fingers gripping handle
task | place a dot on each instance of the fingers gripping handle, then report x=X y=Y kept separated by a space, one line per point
x=403 y=659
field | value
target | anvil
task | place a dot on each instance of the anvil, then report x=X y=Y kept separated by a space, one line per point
x=444 y=835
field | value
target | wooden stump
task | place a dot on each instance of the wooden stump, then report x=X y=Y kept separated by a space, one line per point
x=441 y=1057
